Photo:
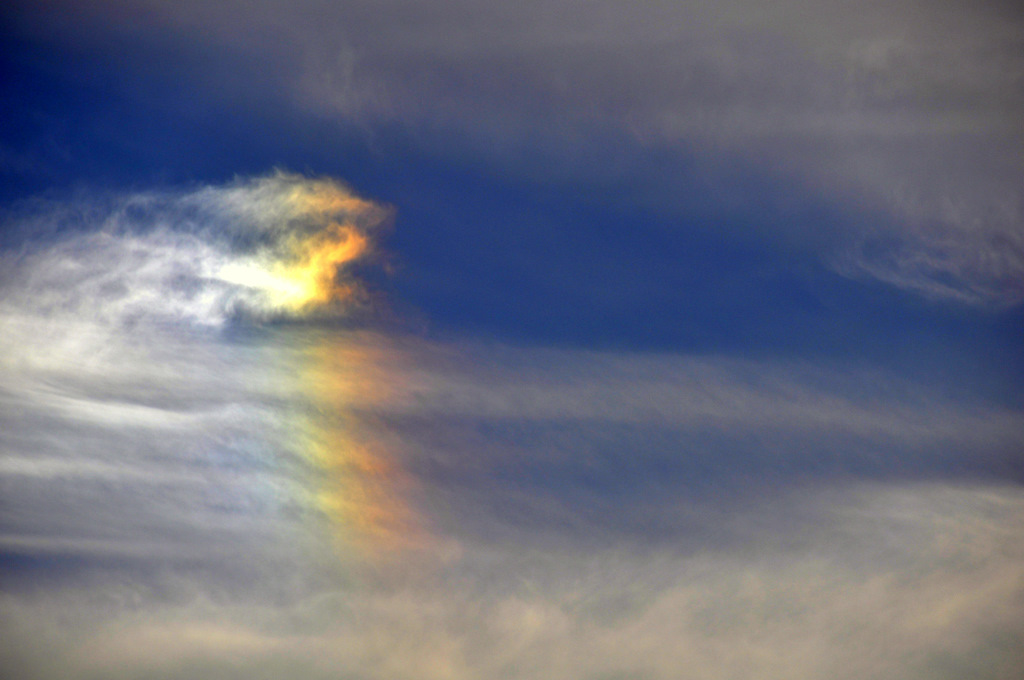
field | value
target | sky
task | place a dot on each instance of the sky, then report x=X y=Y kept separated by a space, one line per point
x=469 y=340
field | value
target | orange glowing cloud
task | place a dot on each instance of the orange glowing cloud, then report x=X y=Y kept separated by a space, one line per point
x=319 y=228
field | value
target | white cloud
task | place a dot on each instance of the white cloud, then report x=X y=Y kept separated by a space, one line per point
x=274 y=246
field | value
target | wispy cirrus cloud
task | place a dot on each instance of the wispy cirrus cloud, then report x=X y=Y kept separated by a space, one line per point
x=274 y=246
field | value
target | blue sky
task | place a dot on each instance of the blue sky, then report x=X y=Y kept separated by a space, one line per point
x=570 y=338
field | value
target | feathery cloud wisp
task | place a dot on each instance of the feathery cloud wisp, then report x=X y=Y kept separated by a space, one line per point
x=273 y=246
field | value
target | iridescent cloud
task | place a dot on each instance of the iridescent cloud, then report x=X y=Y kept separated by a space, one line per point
x=128 y=294
x=273 y=246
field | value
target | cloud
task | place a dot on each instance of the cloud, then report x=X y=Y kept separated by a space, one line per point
x=121 y=390
x=273 y=246
x=980 y=265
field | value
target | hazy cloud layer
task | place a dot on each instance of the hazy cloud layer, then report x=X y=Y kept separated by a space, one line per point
x=189 y=491
x=919 y=582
